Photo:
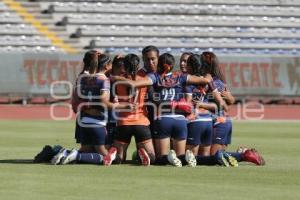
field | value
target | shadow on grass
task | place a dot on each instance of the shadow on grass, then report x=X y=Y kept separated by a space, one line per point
x=17 y=161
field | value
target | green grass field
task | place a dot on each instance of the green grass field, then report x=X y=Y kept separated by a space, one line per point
x=19 y=179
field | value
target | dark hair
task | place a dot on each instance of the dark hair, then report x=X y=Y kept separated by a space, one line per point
x=117 y=63
x=102 y=61
x=211 y=65
x=186 y=53
x=166 y=63
x=90 y=60
x=131 y=64
x=195 y=62
x=150 y=48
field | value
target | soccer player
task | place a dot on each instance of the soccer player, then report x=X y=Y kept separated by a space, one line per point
x=94 y=89
x=134 y=123
x=223 y=125
x=150 y=56
x=200 y=124
x=117 y=70
x=223 y=128
x=171 y=122
x=183 y=61
x=90 y=60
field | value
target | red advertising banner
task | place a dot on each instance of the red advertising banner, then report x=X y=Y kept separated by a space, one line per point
x=36 y=74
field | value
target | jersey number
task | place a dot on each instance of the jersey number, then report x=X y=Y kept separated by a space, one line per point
x=168 y=94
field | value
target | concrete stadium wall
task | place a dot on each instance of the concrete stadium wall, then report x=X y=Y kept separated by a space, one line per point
x=27 y=75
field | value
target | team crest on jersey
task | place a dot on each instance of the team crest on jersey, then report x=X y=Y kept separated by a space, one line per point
x=200 y=89
x=169 y=81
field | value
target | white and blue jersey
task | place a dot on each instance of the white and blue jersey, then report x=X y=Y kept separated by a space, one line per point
x=198 y=92
x=200 y=129
x=169 y=88
x=222 y=131
x=91 y=88
x=92 y=128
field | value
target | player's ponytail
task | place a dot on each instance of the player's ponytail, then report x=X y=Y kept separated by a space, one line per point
x=211 y=65
x=103 y=60
x=195 y=62
x=90 y=60
x=165 y=64
x=131 y=64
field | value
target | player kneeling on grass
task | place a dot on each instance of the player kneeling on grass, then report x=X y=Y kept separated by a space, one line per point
x=94 y=92
x=223 y=128
x=133 y=123
x=171 y=122
x=200 y=121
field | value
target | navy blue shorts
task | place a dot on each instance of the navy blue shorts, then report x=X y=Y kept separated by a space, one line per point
x=200 y=132
x=222 y=132
x=93 y=136
x=171 y=127
x=77 y=132
x=229 y=131
x=92 y=130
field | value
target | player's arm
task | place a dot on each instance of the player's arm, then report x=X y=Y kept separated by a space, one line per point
x=134 y=83
x=228 y=97
x=196 y=80
x=219 y=100
x=110 y=105
x=212 y=107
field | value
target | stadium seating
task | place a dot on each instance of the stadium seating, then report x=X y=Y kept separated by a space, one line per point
x=17 y=29
x=9 y=17
x=230 y=2
x=27 y=49
x=226 y=26
x=19 y=34
x=186 y=9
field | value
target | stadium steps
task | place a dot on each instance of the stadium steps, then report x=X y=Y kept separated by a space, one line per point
x=47 y=19
x=31 y=13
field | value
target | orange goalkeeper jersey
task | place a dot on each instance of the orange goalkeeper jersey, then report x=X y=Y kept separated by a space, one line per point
x=139 y=116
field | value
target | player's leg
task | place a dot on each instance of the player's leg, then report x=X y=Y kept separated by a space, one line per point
x=220 y=158
x=248 y=155
x=145 y=146
x=93 y=135
x=228 y=133
x=193 y=138
x=179 y=135
x=219 y=138
x=78 y=136
x=111 y=132
x=205 y=138
x=122 y=140
x=162 y=134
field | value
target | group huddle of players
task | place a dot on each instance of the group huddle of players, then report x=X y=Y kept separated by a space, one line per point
x=177 y=118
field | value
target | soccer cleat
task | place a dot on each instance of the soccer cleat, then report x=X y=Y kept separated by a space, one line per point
x=71 y=157
x=144 y=157
x=110 y=157
x=230 y=159
x=173 y=160
x=59 y=156
x=190 y=158
x=252 y=155
x=221 y=159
